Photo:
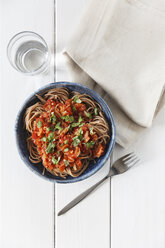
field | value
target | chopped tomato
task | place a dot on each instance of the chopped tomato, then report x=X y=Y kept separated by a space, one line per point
x=68 y=102
x=80 y=107
x=99 y=151
x=86 y=136
x=49 y=104
x=77 y=151
x=34 y=135
x=71 y=158
x=62 y=168
x=78 y=163
x=45 y=115
x=94 y=137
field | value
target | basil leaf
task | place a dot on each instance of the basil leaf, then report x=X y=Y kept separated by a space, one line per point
x=66 y=149
x=53 y=117
x=90 y=144
x=66 y=142
x=61 y=144
x=88 y=115
x=75 y=124
x=51 y=136
x=80 y=119
x=77 y=100
x=76 y=137
x=57 y=126
x=81 y=131
x=66 y=162
x=82 y=124
x=80 y=136
x=91 y=130
x=71 y=119
x=68 y=118
x=76 y=142
x=44 y=139
x=96 y=111
x=51 y=129
x=50 y=148
x=39 y=124
x=55 y=161
x=74 y=108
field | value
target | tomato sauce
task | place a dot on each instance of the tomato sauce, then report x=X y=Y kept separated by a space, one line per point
x=62 y=133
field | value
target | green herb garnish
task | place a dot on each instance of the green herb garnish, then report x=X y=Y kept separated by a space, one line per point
x=51 y=128
x=50 y=147
x=55 y=161
x=39 y=124
x=80 y=119
x=76 y=142
x=53 y=118
x=44 y=139
x=57 y=126
x=96 y=111
x=77 y=100
x=82 y=124
x=66 y=142
x=75 y=137
x=91 y=130
x=90 y=144
x=80 y=136
x=66 y=149
x=51 y=136
x=66 y=162
x=67 y=118
x=62 y=144
x=81 y=131
x=71 y=119
x=74 y=108
x=75 y=124
x=88 y=115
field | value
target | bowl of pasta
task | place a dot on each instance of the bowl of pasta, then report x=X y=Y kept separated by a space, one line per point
x=65 y=132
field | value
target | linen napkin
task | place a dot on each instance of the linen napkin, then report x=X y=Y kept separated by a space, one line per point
x=118 y=49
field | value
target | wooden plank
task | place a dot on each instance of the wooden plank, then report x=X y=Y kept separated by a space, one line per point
x=88 y=224
x=138 y=197
x=26 y=200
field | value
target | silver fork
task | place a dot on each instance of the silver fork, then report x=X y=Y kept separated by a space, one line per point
x=120 y=166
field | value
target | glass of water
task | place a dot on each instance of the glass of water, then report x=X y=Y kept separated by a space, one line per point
x=28 y=53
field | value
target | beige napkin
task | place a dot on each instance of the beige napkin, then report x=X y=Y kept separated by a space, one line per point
x=118 y=49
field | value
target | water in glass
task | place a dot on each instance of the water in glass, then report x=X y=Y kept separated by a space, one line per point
x=30 y=56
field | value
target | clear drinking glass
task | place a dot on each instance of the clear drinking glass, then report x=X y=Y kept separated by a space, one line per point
x=28 y=53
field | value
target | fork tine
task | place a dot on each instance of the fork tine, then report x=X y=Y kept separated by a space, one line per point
x=128 y=160
x=127 y=156
x=133 y=162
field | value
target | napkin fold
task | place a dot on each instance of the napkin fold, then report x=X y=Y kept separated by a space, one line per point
x=118 y=50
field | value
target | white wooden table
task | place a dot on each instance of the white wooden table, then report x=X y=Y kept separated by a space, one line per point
x=126 y=212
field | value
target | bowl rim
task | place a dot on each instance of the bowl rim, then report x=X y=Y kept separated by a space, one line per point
x=82 y=176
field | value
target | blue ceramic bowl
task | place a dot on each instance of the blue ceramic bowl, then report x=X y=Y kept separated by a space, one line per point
x=21 y=133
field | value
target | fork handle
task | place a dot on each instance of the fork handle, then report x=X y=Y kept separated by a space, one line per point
x=79 y=198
